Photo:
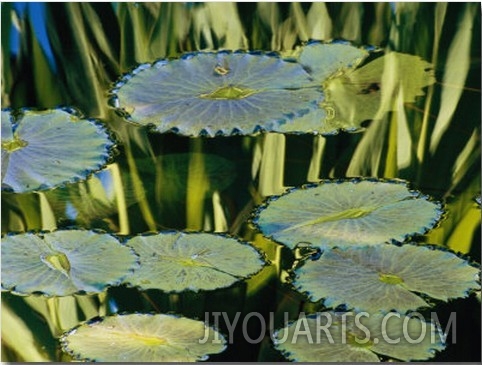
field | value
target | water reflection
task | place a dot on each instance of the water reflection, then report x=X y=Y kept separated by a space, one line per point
x=104 y=200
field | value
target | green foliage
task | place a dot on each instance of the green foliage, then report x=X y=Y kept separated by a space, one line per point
x=378 y=87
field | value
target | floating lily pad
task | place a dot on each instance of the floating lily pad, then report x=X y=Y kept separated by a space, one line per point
x=326 y=60
x=143 y=338
x=63 y=262
x=42 y=149
x=385 y=277
x=175 y=261
x=217 y=93
x=347 y=213
x=337 y=337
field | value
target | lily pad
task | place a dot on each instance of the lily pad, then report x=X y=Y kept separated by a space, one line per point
x=143 y=338
x=63 y=262
x=221 y=93
x=385 y=277
x=42 y=149
x=327 y=60
x=351 y=337
x=346 y=213
x=178 y=261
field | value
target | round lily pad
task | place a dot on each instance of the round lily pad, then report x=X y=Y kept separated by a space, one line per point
x=42 y=149
x=346 y=213
x=326 y=60
x=63 y=262
x=385 y=277
x=223 y=93
x=178 y=261
x=143 y=338
x=357 y=337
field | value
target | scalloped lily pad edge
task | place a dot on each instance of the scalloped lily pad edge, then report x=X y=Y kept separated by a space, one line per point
x=123 y=240
x=112 y=150
x=347 y=315
x=442 y=212
x=99 y=319
x=262 y=257
x=99 y=231
x=113 y=100
x=430 y=300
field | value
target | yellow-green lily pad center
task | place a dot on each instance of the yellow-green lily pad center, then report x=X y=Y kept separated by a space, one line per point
x=14 y=144
x=229 y=92
x=390 y=279
x=57 y=261
x=355 y=341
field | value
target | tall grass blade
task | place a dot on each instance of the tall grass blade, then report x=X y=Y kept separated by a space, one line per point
x=319 y=22
x=272 y=164
x=19 y=338
x=455 y=74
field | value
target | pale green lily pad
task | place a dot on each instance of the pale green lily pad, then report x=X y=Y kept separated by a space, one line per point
x=346 y=213
x=143 y=338
x=351 y=337
x=385 y=277
x=42 y=149
x=223 y=93
x=7 y=135
x=62 y=263
x=178 y=261
x=327 y=60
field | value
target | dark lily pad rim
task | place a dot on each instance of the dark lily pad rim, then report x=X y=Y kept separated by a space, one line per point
x=113 y=100
x=432 y=302
x=261 y=255
x=440 y=207
x=111 y=147
x=99 y=319
x=287 y=354
x=99 y=231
